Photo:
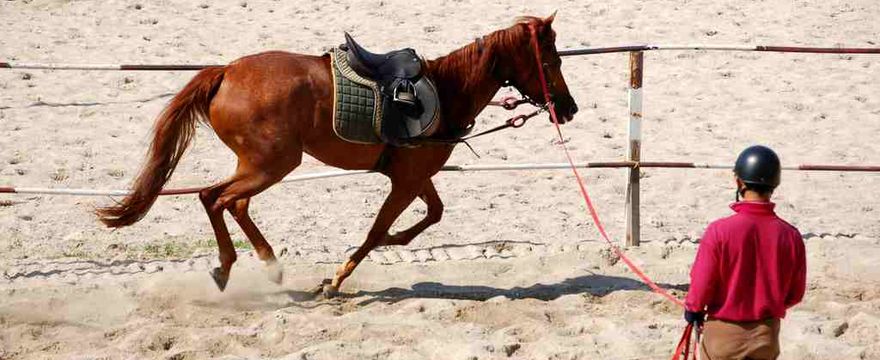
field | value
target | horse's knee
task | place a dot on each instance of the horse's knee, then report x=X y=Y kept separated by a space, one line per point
x=206 y=196
x=210 y=199
x=223 y=202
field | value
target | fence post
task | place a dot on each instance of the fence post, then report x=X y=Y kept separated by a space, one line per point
x=636 y=62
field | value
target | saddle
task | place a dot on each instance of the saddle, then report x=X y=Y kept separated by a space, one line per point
x=408 y=100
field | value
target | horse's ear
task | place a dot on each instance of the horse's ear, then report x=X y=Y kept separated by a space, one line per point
x=549 y=20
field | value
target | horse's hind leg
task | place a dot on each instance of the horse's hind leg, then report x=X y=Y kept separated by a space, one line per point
x=264 y=251
x=245 y=183
x=227 y=256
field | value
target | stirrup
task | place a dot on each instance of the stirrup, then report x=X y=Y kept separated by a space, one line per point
x=405 y=98
x=408 y=96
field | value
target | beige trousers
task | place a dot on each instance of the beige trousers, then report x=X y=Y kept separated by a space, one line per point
x=725 y=340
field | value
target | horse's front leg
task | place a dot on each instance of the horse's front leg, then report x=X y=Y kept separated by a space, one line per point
x=433 y=216
x=402 y=194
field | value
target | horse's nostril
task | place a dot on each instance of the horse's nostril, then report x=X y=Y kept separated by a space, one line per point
x=574 y=109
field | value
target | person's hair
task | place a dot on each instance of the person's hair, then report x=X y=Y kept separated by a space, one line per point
x=763 y=190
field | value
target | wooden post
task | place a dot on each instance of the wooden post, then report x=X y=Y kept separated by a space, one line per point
x=634 y=147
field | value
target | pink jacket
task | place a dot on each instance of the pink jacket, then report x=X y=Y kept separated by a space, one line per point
x=750 y=266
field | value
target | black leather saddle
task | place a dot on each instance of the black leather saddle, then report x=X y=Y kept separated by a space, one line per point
x=410 y=102
x=397 y=64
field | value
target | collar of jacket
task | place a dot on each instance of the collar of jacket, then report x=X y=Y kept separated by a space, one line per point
x=754 y=207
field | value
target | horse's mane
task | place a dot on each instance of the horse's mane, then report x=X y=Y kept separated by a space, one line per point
x=462 y=60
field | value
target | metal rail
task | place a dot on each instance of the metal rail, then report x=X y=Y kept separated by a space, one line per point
x=569 y=52
x=450 y=168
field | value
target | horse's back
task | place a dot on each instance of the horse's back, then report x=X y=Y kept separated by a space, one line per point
x=278 y=72
x=275 y=58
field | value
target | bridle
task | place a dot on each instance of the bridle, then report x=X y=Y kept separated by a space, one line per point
x=507 y=103
x=545 y=86
x=510 y=103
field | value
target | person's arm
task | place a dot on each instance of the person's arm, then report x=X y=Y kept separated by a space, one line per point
x=704 y=273
x=799 y=282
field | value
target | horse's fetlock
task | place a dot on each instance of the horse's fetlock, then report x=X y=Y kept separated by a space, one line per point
x=228 y=258
x=435 y=216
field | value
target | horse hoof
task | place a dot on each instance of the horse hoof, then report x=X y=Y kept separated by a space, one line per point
x=320 y=288
x=330 y=291
x=274 y=272
x=219 y=278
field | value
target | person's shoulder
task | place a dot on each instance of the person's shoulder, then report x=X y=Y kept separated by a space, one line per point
x=789 y=227
x=715 y=230
x=721 y=222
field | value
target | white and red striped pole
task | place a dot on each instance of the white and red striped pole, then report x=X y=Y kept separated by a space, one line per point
x=634 y=148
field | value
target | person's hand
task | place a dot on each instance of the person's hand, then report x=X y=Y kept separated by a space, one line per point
x=695 y=318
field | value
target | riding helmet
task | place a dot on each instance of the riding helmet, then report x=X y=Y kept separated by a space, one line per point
x=758 y=165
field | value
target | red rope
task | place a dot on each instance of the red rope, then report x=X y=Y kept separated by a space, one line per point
x=684 y=343
x=582 y=185
x=683 y=346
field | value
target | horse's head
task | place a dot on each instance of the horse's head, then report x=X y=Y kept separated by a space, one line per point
x=519 y=67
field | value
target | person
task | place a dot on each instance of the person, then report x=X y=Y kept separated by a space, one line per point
x=749 y=269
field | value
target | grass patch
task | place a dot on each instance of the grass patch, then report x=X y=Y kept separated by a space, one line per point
x=185 y=249
x=242 y=244
x=167 y=249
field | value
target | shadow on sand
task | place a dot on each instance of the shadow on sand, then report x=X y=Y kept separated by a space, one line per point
x=594 y=284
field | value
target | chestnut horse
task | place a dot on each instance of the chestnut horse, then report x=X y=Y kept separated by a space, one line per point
x=271 y=107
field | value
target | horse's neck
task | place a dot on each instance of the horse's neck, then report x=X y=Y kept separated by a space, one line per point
x=464 y=90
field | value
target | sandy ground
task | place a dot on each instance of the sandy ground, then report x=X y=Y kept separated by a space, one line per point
x=514 y=268
x=526 y=301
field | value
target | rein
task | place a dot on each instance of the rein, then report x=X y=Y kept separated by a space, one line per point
x=508 y=103
x=516 y=122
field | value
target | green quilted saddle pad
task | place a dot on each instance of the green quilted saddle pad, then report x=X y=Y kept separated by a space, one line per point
x=356 y=103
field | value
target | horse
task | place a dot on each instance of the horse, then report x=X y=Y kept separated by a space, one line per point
x=270 y=108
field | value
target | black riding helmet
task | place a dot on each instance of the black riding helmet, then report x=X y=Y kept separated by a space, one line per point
x=758 y=167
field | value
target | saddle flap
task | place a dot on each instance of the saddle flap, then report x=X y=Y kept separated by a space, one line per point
x=401 y=126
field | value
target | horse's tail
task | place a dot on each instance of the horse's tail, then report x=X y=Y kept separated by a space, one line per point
x=172 y=134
